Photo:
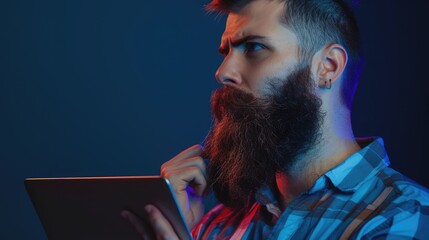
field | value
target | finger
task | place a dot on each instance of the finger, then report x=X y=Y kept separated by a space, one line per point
x=138 y=224
x=195 y=161
x=184 y=177
x=193 y=151
x=161 y=226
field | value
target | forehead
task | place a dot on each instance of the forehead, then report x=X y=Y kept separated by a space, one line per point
x=260 y=17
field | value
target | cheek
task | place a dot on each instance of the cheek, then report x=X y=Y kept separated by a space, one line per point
x=259 y=76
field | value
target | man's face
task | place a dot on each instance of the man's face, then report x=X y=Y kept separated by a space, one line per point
x=267 y=114
x=256 y=47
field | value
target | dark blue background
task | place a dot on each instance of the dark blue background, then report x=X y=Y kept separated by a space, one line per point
x=101 y=87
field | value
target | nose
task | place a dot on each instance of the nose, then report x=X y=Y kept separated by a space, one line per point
x=229 y=72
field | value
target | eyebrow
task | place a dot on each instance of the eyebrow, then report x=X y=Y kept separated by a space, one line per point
x=223 y=49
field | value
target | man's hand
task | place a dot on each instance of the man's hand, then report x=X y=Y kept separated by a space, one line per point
x=156 y=225
x=186 y=173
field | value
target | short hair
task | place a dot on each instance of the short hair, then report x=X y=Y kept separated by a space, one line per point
x=317 y=23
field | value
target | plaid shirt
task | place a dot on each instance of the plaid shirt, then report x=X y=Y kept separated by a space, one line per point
x=362 y=198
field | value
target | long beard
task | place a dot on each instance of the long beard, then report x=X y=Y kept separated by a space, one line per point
x=253 y=139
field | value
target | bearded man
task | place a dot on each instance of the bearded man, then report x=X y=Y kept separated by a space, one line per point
x=283 y=160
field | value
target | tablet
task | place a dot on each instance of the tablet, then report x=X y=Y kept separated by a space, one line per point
x=90 y=207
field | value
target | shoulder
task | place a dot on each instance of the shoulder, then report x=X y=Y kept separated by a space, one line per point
x=405 y=214
x=406 y=189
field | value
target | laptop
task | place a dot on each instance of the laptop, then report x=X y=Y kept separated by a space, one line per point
x=90 y=207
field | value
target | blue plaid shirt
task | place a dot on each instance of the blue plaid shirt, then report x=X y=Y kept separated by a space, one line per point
x=362 y=198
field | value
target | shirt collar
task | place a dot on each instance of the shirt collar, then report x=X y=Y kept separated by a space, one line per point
x=359 y=167
x=348 y=175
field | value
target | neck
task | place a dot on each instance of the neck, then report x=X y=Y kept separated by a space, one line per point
x=336 y=144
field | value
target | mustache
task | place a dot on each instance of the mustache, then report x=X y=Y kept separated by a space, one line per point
x=236 y=104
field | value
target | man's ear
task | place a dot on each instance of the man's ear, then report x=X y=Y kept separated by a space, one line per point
x=330 y=62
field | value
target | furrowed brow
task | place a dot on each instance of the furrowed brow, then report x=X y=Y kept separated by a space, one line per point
x=223 y=49
x=237 y=42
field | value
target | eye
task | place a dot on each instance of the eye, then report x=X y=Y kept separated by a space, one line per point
x=253 y=47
